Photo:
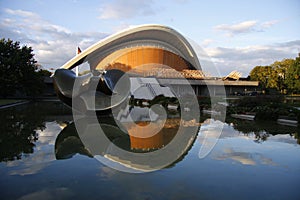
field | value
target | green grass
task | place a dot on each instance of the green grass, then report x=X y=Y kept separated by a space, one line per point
x=9 y=101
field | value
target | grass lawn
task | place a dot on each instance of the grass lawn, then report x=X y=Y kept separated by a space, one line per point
x=9 y=101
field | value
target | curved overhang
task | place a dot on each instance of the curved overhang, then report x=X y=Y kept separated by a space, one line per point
x=145 y=35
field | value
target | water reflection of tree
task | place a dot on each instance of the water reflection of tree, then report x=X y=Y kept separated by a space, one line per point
x=261 y=136
x=263 y=130
x=19 y=125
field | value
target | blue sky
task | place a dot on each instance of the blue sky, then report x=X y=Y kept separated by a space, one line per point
x=237 y=35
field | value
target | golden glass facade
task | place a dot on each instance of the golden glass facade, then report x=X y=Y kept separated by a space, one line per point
x=144 y=58
x=140 y=140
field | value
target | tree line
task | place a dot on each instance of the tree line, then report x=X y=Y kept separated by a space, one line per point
x=284 y=76
x=19 y=73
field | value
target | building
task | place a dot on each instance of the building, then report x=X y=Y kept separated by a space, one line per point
x=213 y=87
x=156 y=51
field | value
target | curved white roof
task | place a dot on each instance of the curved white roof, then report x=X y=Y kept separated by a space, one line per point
x=154 y=35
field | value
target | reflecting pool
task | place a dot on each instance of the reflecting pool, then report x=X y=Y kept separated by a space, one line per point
x=42 y=157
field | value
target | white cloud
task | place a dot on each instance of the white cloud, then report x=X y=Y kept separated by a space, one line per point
x=120 y=9
x=206 y=42
x=245 y=27
x=268 y=24
x=43 y=152
x=53 y=45
x=21 y=13
x=242 y=27
x=243 y=59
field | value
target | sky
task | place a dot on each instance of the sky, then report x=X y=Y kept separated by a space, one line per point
x=236 y=35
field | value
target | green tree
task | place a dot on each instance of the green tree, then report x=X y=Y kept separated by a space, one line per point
x=18 y=70
x=293 y=76
x=273 y=76
x=281 y=68
x=262 y=74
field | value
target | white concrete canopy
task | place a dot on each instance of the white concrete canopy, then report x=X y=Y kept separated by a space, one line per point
x=145 y=35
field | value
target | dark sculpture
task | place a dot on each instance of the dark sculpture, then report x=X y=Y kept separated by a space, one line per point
x=94 y=91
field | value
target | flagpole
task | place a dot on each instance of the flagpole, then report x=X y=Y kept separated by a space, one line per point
x=78 y=51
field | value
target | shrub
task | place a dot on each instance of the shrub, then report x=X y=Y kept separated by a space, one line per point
x=266 y=114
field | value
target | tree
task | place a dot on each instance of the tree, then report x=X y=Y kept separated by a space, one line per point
x=18 y=70
x=273 y=76
x=293 y=76
x=263 y=75
x=44 y=73
x=281 y=68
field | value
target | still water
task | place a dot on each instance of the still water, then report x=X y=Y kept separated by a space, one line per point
x=42 y=157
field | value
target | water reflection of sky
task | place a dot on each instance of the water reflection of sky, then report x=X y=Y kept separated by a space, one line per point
x=238 y=148
x=238 y=167
x=43 y=152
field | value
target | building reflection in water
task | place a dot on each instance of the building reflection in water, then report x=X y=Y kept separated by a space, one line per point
x=68 y=142
x=157 y=141
x=20 y=132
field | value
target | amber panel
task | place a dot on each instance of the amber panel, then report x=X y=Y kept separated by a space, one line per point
x=183 y=65
x=123 y=59
x=118 y=60
x=148 y=55
x=153 y=142
x=139 y=139
x=168 y=58
x=145 y=55
x=129 y=59
x=139 y=53
x=165 y=56
x=177 y=62
x=136 y=57
x=133 y=58
x=173 y=60
x=156 y=56
x=160 y=56
x=152 y=55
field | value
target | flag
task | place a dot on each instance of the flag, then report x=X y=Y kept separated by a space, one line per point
x=78 y=51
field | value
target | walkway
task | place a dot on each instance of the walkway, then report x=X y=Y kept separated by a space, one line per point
x=13 y=104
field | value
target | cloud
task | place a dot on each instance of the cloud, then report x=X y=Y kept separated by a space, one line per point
x=244 y=158
x=206 y=42
x=244 y=59
x=21 y=13
x=53 y=45
x=245 y=27
x=242 y=27
x=43 y=152
x=268 y=24
x=120 y=9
